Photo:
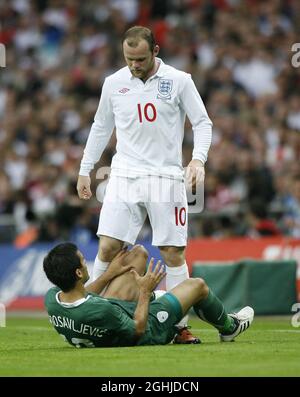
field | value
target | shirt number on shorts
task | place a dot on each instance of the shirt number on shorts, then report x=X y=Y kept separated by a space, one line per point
x=180 y=216
x=149 y=112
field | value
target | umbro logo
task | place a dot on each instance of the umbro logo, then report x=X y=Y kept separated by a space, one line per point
x=124 y=90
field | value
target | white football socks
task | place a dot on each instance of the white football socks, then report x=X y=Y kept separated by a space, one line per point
x=174 y=276
x=99 y=268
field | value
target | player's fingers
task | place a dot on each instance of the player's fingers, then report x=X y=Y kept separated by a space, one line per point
x=121 y=253
x=80 y=192
x=83 y=193
x=189 y=174
x=120 y=258
x=87 y=193
x=161 y=273
x=88 y=190
x=157 y=267
x=197 y=179
x=80 y=187
x=135 y=274
x=151 y=265
x=158 y=272
x=200 y=174
x=192 y=179
x=126 y=268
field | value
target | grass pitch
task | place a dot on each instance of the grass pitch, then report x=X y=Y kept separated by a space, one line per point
x=30 y=347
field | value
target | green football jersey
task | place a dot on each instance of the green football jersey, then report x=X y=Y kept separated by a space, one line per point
x=92 y=321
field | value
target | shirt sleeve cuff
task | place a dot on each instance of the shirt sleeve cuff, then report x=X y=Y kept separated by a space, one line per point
x=200 y=157
x=84 y=172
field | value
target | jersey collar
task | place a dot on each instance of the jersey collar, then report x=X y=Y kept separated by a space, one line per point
x=160 y=70
x=73 y=304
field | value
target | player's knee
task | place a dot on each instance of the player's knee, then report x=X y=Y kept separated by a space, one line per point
x=138 y=259
x=198 y=287
x=108 y=250
x=141 y=251
x=202 y=287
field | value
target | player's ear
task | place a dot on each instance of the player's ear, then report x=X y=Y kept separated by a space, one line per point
x=156 y=50
x=79 y=273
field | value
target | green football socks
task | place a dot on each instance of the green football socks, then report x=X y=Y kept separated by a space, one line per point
x=212 y=310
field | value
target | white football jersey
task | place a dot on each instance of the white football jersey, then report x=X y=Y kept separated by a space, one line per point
x=149 y=119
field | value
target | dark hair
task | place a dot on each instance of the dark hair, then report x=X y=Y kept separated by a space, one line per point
x=60 y=265
x=137 y=33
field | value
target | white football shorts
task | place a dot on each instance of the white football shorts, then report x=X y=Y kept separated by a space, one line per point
x=127 y=202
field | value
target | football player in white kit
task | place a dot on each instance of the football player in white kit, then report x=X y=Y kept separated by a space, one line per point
x=147 y=102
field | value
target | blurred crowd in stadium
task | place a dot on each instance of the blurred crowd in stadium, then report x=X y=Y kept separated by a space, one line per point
x=239 y=54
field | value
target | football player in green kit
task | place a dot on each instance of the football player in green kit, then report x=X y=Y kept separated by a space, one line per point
x=118 y=309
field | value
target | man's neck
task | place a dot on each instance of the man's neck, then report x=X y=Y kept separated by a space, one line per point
x=153 y=70
x=74 y=295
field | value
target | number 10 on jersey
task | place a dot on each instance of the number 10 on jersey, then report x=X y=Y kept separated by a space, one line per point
x=147 y=112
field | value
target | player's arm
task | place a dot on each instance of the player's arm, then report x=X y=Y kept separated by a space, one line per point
x=99 y=136
x=147 y=283
x=116 y=268
x=193 y=105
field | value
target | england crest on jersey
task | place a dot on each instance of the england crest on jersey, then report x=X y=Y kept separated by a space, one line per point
x=164 y=88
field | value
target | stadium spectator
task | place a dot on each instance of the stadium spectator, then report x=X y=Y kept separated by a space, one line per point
x=58 y=54
x=292 y=214
x=259 y=222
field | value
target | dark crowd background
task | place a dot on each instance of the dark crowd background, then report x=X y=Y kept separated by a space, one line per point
x=240 y=56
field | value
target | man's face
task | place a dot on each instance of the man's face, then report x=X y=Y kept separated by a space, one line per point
x=84 y=270
x=140 y=59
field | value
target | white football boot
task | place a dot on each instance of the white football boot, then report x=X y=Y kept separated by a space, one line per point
x=244 y=319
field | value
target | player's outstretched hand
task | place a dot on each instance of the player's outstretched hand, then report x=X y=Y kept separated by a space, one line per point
x=84 y=187
x=117 y=266
x=154 y=275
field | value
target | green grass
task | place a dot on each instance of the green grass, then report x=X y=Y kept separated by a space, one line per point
x=30 y=347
